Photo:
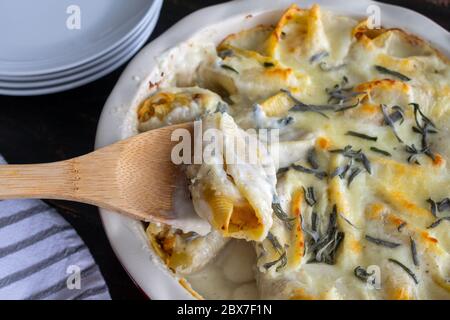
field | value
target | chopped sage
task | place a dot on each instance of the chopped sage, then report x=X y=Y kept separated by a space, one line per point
x=352 y=175
x=282 y=170
x=283 y=216
x=443 y=205
x=324 y=249
x=282 y=260
x=310 y=197
x=225 y=53
x=393 y=73
x=397 y=114
x=361 y=135
x=433 y=207
x=356 y=155
x=341 y=94
x=414 y=252
x=285 y=121
x=401 y=226
x=274 y=241
x=326 y=68
x=424 y=127
x=312 y=158
x=388 y=121
x=319 y=109
x=380 y=151
x=438 y=222
x=406 y=269
x=381 y=242
x=346 y=220
x=318 y=56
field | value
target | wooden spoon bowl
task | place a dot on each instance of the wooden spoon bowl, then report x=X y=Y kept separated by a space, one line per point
x=135 y=177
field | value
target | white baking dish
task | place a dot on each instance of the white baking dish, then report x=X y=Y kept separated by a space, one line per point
x=127 y=237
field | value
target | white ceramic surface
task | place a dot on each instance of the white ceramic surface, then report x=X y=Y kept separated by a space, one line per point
x=120 y=45
x=25 y=51
x=89 y=73
x=82 y=71
x=127 y=237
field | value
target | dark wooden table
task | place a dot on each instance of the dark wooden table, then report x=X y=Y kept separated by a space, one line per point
x=60 y=126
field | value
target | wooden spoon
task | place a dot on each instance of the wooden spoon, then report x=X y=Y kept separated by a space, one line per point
x=135 y=177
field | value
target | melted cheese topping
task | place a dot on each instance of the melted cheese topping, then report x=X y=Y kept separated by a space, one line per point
x=363 y=116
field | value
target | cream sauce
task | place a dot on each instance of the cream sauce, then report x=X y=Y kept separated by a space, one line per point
x=230 y=275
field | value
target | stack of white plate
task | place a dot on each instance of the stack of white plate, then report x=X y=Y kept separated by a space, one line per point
x=54 y=45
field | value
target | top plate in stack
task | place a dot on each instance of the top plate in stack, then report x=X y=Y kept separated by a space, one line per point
x=53 y=45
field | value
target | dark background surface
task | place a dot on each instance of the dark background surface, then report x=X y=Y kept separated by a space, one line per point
x=60 y=126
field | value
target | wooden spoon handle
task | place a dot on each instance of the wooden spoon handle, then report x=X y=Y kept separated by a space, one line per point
x=48 y=180
x=89 y=179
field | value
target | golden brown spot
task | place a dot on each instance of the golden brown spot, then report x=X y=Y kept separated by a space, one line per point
x=370 y=33
x=438 y=160
x=383 y=84
x=426 y=237
x=394 y=220
x=278 y=72
x=298 y=238
x=197 y=96
x=399 y=294
x=300 y=294
x=376 y=210
x=369 y=108
x=362 y=30
x=404 y=202
x=323 y=143
x=168 y=243
x=158 y=105
x=297 y=200
x=355 y=245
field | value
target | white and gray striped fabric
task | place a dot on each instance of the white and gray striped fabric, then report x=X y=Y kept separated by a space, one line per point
x=42 y=256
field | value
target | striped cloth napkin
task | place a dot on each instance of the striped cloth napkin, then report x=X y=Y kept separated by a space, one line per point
x=42 y=256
